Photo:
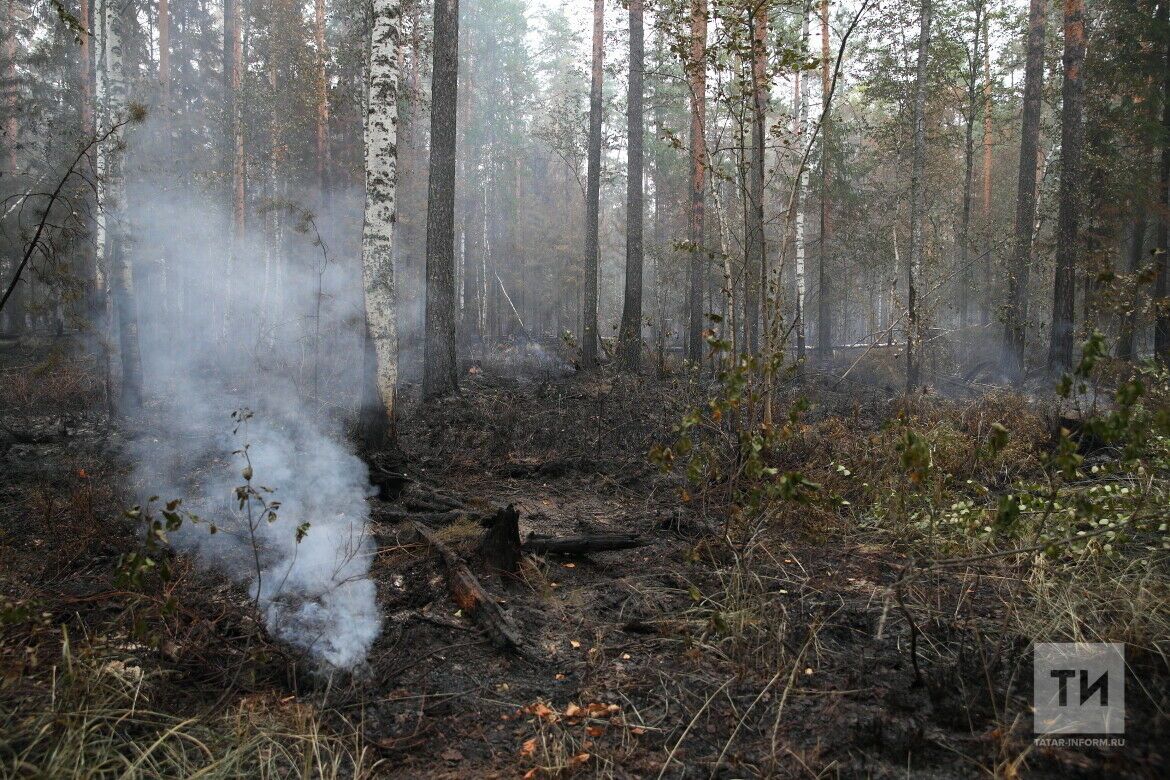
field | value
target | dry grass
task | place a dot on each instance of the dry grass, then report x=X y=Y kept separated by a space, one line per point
x=96 y=712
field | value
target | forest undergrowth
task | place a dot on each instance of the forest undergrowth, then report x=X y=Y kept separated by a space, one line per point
x=846 y=583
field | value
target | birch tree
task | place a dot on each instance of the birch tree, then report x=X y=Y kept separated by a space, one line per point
x=824 y=283
x=800 y=116
x=381 y=134
x=116 y=19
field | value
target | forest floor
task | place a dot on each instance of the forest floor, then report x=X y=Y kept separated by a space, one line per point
x=718 y=648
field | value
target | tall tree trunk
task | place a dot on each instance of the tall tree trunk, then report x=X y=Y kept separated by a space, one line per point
x=89 y=258
x=439 y=350
x=1125 y=339
x=324 y=161
x=10 y=87
x=756 y=278
x=1064 y=290
x=233 y=100
x=164 y=59
x=630 y=349
x=118 y=23
x=1015 y=329
x=14 y=312
x=966 y=278
x=824 y=296
x=985 y=202
x=800 y=115
x=85 y=70
x=1162 y=256
x=381 y=136
x=917 y=201
x=697 y=81
x=593 y=196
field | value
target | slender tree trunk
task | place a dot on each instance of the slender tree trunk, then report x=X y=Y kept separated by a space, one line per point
x=10 y=87
x=966 y=280
x=697 y=81
x=164 y=65
x=10 y=138
x=800 y=114
x=1064 y=292
x=85 y=70
x=324 y=161
x=1125 y=340
x=985 y=202
x=118 y=22
x=917 y=201
x=824 y=296
x=1162 y=256
x=439 y=374
x=1017 y=303
x=381 y=135
x=630 y=349
x=88 y=257
x=593 y=196
x=755 y=280
x=233 y=100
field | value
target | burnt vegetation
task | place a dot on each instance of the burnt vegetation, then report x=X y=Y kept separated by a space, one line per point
x=656 y=388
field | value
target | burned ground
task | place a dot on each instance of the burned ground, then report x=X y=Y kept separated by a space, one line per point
x=714 y=649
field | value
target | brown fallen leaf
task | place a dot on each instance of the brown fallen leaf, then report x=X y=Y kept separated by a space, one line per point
x=529 y=747
x=595 y=731
x=580 y=758
x=451 y=754
x=542 y=711
x=573 y=711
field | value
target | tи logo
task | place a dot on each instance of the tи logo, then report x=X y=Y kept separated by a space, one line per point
x=1079 y=688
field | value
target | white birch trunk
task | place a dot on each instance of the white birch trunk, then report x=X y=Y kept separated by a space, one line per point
x=801 y=187
x=381 y=135
x=101 y=274
x=114 y=19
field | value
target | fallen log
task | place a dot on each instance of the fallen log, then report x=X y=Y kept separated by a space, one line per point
x=419 y=497
x=580 y=545
x=387 y=514
x=472 y=599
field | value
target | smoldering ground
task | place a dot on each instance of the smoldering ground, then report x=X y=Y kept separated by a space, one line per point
x=268 y=322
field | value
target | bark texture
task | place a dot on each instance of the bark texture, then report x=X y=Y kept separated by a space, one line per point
x=757 y=276
x=800 y=113
x=1060 y=349
x=917 y=200
x=118 y=19
x=1162 y=252
x=630 y=348
x=593 y=196
x=439 y=361
x=381 y=138
x=824 y=282
x=697 y=81
x=1016 y=316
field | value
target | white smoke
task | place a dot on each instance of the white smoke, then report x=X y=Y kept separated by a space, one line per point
x=274 y=326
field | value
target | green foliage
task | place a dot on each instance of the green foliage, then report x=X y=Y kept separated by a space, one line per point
x=728 y=443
